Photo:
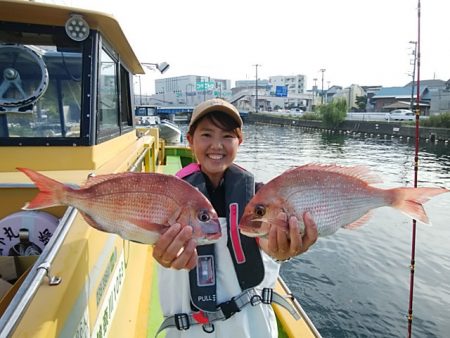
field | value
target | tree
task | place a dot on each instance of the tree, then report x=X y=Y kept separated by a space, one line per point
x=334 y=113
x=361 y=102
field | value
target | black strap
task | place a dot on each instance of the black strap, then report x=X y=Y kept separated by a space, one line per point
x=240 y=188
x=202 y=280
x=183 y=321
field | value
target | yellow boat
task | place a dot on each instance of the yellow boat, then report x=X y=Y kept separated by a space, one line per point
x=66 y=109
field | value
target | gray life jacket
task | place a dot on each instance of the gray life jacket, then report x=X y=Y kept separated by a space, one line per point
x=244 y=251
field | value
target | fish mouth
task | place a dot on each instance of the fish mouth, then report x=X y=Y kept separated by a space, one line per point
x=209 y=232
x=207 y=240
x=211 y=228
x=254 y=228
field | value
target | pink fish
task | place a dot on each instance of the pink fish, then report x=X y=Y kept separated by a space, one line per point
x=136 y=206
x=335 y=196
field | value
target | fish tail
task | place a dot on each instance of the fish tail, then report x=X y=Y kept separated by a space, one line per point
x=410 y=201
x=50 y=191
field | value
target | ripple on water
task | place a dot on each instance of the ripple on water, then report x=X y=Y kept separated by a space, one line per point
x=356 y=283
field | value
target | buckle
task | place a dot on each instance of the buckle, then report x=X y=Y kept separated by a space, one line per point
x=229 y=308
x=267 y=296
x=208 y=328
x=182 y=321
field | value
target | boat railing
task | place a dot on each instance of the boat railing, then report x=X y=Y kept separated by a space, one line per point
x=41 y=269
x=299 y=308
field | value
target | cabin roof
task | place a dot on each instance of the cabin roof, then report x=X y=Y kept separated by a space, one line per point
x=49 y=14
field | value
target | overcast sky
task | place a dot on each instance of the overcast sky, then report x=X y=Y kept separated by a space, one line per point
x=356 y=41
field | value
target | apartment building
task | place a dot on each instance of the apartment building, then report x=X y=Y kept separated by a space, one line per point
x=190 y=89
x=296 y=84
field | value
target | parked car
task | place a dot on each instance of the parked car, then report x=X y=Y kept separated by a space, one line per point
x=296 y=111
x=400 y=115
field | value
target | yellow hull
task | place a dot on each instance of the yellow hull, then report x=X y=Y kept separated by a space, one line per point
x=105 y=281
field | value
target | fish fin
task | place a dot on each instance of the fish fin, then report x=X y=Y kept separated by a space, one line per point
x=51 y=192
x=360 y=172
x=410 y=200
x=149 y=226
x=93 y=180
x=176 y=217
x=359 y=222
x=159 y=228
x=90 y=221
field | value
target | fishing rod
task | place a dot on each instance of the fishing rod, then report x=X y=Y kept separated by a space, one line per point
x=416 y=171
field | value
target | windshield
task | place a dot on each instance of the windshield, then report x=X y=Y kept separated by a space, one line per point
x=40 y=90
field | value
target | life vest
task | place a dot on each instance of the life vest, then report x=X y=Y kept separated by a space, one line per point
x=244 y=251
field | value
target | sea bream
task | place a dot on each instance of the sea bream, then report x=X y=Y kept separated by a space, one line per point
x=336 y=196
x=136 y=206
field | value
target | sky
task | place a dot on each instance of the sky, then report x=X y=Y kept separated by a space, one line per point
x=356 y=41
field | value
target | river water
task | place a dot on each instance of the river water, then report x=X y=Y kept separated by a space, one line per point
x=355 y=283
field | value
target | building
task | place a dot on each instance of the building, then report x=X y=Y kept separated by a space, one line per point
x=189 y=90
x=440 y=99
x=349 y=94
x=390 y=98
x=296 y=84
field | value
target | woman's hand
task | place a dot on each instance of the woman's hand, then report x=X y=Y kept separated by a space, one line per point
x=176 y=248
x=283 y=243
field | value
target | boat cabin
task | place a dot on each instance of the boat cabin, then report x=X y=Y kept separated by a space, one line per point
x=66 y=77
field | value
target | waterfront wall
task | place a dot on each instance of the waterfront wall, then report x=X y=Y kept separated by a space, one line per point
x=393 y=128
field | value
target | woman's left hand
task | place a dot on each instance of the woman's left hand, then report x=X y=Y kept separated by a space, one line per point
x=283 y=243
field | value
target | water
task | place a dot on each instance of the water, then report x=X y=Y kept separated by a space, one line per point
x=355 y=283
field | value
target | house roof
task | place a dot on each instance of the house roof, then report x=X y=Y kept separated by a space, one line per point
x=398 y=92
x=428 y=83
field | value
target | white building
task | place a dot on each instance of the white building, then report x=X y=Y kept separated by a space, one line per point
x=189 y=90
x=296 y=84
x=349 y=94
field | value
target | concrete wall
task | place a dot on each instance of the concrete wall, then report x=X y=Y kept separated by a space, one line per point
x=369 y=127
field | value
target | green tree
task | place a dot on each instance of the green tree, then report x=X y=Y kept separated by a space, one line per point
x=334 y=113
x=437 y=121
x=361 y=102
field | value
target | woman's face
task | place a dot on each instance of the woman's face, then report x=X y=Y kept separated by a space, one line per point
x=214 y=148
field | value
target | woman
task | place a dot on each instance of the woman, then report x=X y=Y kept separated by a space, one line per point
x=223 y=287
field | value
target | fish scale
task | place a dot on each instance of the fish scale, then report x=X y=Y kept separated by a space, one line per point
x=336 y=196
x=136 y=206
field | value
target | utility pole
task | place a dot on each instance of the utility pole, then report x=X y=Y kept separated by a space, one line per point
x=413 y=73
x=140 y=90
x=323 y=71
x=256 y=87
x=204 y=88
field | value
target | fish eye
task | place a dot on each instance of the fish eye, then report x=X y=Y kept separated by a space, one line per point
x=260 y=210
x=203 y=216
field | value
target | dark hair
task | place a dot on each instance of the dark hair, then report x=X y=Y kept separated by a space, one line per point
x=220 y=120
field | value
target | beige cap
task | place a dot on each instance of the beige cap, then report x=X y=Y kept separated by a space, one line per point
x=215 y=105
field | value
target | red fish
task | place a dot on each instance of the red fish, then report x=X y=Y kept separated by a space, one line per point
x=136 y=206
x=335 y=196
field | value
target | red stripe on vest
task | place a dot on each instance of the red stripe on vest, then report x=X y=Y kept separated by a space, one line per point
x=234 y=233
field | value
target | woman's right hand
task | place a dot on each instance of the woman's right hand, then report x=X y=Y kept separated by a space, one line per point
x=176 y=248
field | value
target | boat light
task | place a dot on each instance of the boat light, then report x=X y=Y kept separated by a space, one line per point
x=162 y=67
x=77 y=28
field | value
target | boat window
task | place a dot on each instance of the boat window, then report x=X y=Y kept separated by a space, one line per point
x=40 y=90
x=108 y=105
x=125 y=96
